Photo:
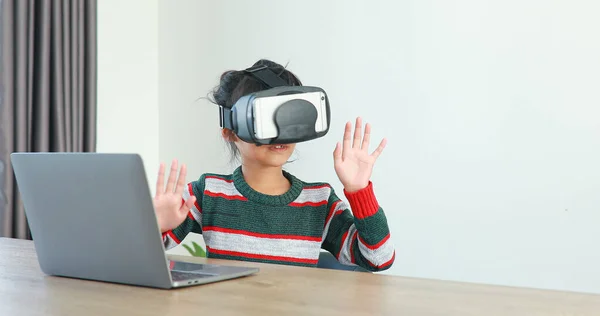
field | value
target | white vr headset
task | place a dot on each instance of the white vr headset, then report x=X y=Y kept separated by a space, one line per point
x=282 y=114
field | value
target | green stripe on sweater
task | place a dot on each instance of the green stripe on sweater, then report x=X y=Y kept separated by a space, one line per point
x=337 y=229
x=250 y=216
x=373 y=228
x=188 y=225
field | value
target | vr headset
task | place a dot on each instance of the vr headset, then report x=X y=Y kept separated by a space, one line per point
x=282 y=114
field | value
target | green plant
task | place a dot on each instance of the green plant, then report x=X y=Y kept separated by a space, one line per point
x=197 y=251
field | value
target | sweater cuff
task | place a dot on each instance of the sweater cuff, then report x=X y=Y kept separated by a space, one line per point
x=363 y=202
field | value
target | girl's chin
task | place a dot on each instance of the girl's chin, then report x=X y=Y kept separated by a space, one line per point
x=276 y=159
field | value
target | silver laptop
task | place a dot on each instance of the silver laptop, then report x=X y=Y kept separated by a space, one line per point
x=91 y=217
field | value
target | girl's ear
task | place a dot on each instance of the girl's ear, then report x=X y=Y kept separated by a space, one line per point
x=228 y=135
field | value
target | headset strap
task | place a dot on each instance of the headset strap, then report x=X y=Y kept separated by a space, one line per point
x=225 y=118
x=266 y=75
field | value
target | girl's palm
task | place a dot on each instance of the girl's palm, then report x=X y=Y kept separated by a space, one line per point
x=168 y=202
x=353 y=163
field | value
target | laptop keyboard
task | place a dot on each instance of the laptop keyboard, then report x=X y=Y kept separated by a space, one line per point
x=184 y=276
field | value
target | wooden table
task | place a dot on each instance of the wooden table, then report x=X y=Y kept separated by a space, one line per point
x=276 y=290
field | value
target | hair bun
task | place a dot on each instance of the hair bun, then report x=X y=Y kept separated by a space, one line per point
x=228 y=82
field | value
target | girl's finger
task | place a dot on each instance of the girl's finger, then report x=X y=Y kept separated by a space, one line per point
x=357 y=133
x=172 y=175
x=181 y=180
x=160 y=182
x=346 y=144
x=379 y=149
x=191 y=202
x=187 y=206
x=367 y=138
x=184 y=210
x=337 y=153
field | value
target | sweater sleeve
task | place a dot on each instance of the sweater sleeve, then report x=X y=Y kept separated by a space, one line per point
x=358 y=234
x=193 y=221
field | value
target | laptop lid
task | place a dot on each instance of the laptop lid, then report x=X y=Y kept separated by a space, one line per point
x=91 y=217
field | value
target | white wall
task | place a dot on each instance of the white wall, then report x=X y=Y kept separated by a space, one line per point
x=491 y=109
x=190 y=63
x=128 y=80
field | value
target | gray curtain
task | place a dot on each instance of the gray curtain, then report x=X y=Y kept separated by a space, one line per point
x=48 y=89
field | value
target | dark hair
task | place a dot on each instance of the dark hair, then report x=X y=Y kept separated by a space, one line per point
x=234 y=84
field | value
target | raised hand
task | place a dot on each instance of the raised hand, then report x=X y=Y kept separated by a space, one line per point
x=170 y=210
x=352 y=161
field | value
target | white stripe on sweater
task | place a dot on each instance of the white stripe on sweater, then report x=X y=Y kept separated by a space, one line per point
x=313 y=195
x=221 y=186
x=345 y=256
x=380 y=255
x=341 y=205
x=302 y=249
x=195 y=211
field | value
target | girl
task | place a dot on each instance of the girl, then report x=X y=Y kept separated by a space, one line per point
x=263 y=213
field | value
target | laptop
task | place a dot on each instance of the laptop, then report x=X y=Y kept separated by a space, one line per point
x=91 y=217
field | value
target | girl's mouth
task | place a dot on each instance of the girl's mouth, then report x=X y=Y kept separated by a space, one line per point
x=278 y=148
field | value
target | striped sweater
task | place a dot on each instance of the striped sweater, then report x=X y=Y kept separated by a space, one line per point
x=240 y=223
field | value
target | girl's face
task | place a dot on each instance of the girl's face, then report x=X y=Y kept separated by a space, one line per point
x=265 y=155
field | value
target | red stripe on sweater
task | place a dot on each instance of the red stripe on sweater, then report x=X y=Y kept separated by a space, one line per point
x=389 y=263
x=333 y=206
x=352 y=258
x=259 y=235
x=175 y=239
x=383 y=265
x=219 y=178
x=379 y=244
x=258 y=256
x=309 y=203
x=342 y=246
x=225 y=196
x=191 y=191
